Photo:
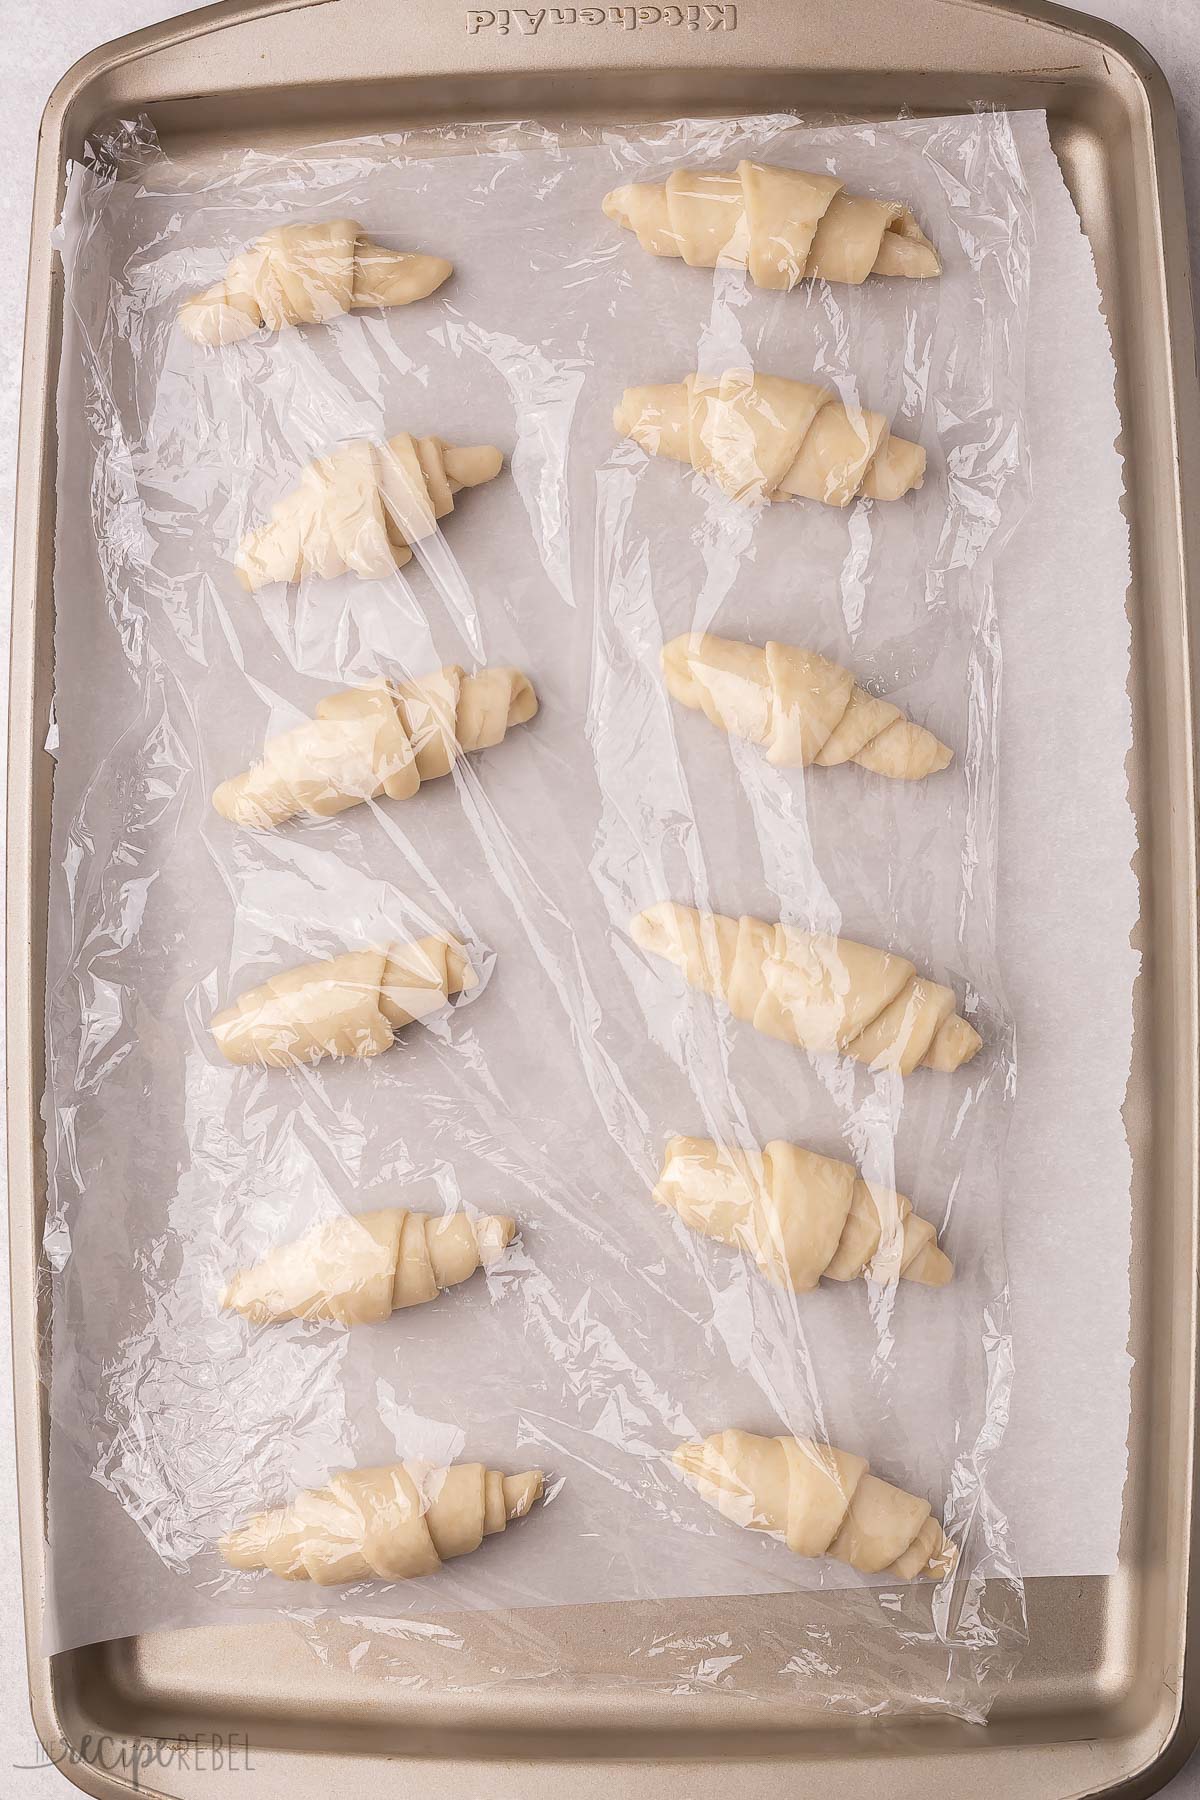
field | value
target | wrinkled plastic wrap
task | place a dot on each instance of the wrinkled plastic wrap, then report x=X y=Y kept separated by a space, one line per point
x=607 y=1333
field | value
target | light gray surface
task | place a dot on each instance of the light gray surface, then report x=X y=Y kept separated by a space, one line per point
x=43 y=37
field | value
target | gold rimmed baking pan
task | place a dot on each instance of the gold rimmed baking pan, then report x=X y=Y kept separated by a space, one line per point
x=1104 y=1700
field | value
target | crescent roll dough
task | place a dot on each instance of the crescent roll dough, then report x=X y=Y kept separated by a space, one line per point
x=783 y=225
x=359 y=1271
x=387 y=1524
x=383 y=739
x=764 y=437
x=359 y=510
x=352 y=1005
x=802 y=707
x=798 y=1215
x=813 y=990
x=304 y=274
x=820 y=1501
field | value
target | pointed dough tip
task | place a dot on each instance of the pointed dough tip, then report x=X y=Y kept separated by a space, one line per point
x=458 y=965
x=225 y=800
x=521 y=1492
x=495 y=1232
x=648 y=928
x=616 y=205
x=472 y=464
x=524 y=703
x=689 y=1459
x=955 y=1044
x=243 y=1548
x=209 y=321
x=932 y=1268
x=676 y=654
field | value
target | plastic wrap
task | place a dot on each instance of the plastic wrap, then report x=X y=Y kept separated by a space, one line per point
x=607 y=1333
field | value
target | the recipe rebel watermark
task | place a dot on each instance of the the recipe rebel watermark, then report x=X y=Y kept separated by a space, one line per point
x=138 y=1760
x=529 y=21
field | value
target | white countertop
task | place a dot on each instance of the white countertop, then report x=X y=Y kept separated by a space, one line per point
x=43 y=38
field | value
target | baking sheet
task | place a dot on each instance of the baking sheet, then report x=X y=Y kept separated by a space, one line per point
x=174 y=1319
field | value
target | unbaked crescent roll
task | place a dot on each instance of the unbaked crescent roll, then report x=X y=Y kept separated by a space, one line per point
x=765 y=437
x=360 y=509
x=820 y=1501
x=802 y=707
x=813 y=990
x=783 y=225
x=383 y=739
x=358 y=1271
x=304 y=274
x=351 y=1005
x=387 y=1524
x=798 y=1215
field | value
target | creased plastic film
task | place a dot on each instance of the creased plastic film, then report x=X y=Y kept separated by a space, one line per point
x=409 y=1109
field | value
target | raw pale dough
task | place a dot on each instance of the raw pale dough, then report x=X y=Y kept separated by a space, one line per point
x=382 y=739
x=783 y=225
x=388 y=1524
x=360 y=509
x=813 y=990
x=359 y=1271
x=352 y=1005
x=820 y=1501
x=799 y=1215
x=804 y=708
x=303 y=275
x=763 y=437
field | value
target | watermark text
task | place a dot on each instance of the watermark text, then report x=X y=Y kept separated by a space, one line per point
x=138 y=1760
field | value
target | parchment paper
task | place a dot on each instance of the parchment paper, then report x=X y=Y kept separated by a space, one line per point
x=180 y=1380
